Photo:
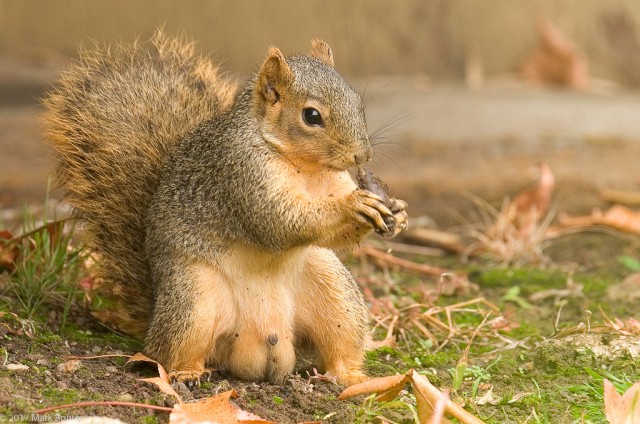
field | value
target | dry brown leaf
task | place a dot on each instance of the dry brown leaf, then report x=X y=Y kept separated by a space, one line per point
x=437 y=416
x=425 y=404
x=162 y=381
x=556 y=60
x=217 y=409
x=629 y=327
x=164 y=386
x=622 y=409
x=531 y=205
x=431 y=395
x=383 y=385
x=141 y=357
x=8 y=254
x=487 y=398
x=427 y=395
x=617 y=217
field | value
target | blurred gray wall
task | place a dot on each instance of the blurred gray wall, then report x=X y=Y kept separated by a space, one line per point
x=433 y=37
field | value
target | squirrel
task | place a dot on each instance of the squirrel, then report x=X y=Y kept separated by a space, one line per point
x=215 y=211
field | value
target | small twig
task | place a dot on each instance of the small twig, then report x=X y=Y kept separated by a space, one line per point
x=465 y=354
x=16 y=239
x=425 y=331
x=106 y=403
x=409 y=248
x=556 y=322
x=404 y=263
x=111 y=355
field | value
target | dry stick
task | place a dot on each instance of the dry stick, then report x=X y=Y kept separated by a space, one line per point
x=428 y=334
x=82 y=404
x=16 y=239
x=410 y=248
x=626 y=197
x=407 y=264
x=111 y=355
x=465 y=354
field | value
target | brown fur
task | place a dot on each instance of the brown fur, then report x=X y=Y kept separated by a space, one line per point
x=215 y=220
x=113 y=119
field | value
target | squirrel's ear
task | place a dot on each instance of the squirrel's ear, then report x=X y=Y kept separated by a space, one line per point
x=321 y=51
x=274 y=76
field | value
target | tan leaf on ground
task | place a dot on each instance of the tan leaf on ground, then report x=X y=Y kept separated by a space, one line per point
x=162 y=381
x=141 y=357
x=427 y=396
x=8 y=254
x=622 y=409
x=431 y=395
x=617 y=217
x=528 y=207
x=556 y=60
x=388 y=387
x=217 y=409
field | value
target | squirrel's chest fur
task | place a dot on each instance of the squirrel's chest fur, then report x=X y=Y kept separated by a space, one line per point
x=260 y=288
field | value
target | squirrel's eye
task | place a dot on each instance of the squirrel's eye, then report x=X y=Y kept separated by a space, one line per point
x=312 y=117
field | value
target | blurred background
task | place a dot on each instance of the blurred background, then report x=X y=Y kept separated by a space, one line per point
x=470 y=95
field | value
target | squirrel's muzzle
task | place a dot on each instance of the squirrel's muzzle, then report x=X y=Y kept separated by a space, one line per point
x=363 y=157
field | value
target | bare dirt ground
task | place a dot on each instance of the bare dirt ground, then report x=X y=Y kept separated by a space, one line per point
x=441 y=141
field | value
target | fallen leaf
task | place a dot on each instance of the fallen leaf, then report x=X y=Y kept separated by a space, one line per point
x=8 y=253
x=384 y=385
x=556 y=60
x=622 y=409
x=630 y=327
x=427 y=395
x=217 y=409
x=487 y=398
x=529 y=206
x=141 y=357
x=518 y=396
x=617 y=217
x=164 y=386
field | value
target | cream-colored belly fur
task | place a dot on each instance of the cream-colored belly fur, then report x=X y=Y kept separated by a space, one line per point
x=248 y=297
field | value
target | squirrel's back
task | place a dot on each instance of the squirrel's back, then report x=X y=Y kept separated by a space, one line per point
x=113 y=120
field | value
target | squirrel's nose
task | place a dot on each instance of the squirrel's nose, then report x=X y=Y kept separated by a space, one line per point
x=365 y=157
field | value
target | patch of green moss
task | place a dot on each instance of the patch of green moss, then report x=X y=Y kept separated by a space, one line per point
x=47 y=338
x=123 y=342
x=529 y=279
x=149 y=419
x=55 y=396
x=72 y=333
x=384 y=361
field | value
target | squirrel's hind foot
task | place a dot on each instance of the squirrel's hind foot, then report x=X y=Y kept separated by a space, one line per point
x=190 y=378
x=352 y=377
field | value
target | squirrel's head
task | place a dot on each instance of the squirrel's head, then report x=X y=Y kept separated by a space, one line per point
x=308 y=111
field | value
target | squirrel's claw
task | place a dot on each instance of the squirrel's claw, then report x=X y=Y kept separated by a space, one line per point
x=371 y=210
x=189 y=378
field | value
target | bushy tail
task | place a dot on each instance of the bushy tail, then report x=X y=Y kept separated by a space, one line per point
x=113 y=119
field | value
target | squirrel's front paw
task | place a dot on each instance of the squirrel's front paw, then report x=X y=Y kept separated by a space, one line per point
x=400 y=217
x=370 y=209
